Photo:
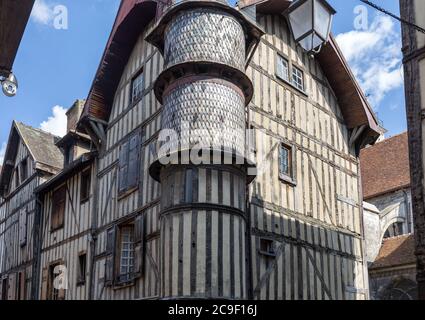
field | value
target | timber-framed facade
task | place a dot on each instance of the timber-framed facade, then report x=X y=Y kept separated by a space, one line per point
x=207 y=231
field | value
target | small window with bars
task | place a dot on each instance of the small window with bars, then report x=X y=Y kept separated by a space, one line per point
x=137 y=87
x=298 y=78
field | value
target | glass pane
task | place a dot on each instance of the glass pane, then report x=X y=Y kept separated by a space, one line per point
x=301 y=19
x=311 y=42
x=284 y=160
x=282 y=68
x=322 y=19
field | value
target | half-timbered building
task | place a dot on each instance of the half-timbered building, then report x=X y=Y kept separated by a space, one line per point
x=31 y=158
x=281 y=220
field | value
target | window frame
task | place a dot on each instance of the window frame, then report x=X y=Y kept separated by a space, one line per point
x=291 y=67
x=121 y=278
x=278 y=73
x=85 y=187
x=290 y=177
x=23 y=170
x=81 y=271
x=55 y=207
x=267 y=252
x=135 y=99
x=300 y=76
x=127 y=189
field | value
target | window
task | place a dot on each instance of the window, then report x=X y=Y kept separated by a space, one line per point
x=21 y=286
x=82 y=267
x=4 y=291
x=394 y=230
x=137 y=86
x=286 y=167
x=17 y=177
x=58 y=208
x=23 y=228
x=56 y=286
x=285 y=160
x=285 y=68
x=85 y=186
x=124 y=252
x=298 y=78
x=24 y=170
x=282 y=68
x=126 y=256
x=129 y=164
x=267 y=247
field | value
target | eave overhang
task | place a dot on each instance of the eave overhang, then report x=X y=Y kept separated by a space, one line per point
x=70 y=170
x=14 y=16
x=356 y=110
x=133 y=16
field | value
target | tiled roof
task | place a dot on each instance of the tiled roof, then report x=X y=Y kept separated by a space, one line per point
x=41 y=145
x=385 y=166
x=396 y=251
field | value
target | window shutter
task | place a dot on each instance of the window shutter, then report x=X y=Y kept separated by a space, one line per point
x=133 y=162
x=61 y=208
x=22 y=285
x=123 y=167
x=44 y=283
x=110 y=251
x=23 y=228
x=61 y=294
x=139 y=235
x=12 y=287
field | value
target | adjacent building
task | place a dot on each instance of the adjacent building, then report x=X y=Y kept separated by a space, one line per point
x=414 y=76
x=281 y=219
x=31 y=159
x=388 y=219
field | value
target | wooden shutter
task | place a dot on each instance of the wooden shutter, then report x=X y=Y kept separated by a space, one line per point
x=133 y=161
x=123 y=167
x=23 y=228
x=58 y=208
x=61 y=294
x=110 y=251
x=22 y=285
x=44 y=283
x=12 y=287
x=139 y=245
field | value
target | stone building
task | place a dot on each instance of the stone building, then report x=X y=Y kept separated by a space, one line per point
x=388 y=219
x=278 y=218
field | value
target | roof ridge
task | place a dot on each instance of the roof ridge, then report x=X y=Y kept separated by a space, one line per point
x=392 y=137
x=37 y=129
x=407 y=235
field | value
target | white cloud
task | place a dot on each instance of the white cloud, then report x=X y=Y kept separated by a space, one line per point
x=56 y=124
x=42 y=12
x=375 y=57
x=2 y=152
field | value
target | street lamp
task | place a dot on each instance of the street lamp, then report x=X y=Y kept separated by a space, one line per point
x=9 y=85
x=310 y=22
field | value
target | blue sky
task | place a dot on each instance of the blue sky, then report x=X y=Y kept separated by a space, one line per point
x=55 y=67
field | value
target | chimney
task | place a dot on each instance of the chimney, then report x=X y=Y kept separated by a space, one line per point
x=73 y=115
